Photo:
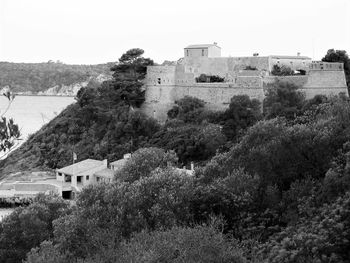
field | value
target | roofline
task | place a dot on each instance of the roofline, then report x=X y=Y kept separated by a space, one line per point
x=59 y=170
x=284 y=56
x=204 y=46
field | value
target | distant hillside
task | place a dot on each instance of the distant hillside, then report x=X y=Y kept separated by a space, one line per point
x=50 y=78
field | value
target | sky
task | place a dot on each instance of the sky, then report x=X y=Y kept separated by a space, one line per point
x=100 y=31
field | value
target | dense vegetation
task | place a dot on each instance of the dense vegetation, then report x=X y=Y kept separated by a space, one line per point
x=35 y=77
x=272 y=186
x=209 y=78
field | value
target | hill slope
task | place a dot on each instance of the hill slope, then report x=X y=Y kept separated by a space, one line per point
x=58 y=78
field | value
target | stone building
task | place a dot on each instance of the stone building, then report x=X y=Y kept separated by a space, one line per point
x=243 y=75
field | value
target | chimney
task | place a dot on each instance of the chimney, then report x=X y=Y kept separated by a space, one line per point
x=215 y=43
x=105 y=162
x=298 y=54
x=192 y=166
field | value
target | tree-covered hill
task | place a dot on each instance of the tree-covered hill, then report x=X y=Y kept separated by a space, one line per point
x=36 y=77
x=271 y=186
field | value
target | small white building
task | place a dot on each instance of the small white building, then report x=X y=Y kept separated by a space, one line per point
x=202 y=50
x=82 y=173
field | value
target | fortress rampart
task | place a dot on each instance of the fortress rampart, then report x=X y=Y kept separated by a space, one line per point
x=243 y=75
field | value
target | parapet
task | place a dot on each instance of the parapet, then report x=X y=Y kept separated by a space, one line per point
x=331 y=66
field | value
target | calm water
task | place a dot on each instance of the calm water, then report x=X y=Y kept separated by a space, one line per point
x=32 y=112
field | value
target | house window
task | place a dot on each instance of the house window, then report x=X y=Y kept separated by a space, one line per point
x=187 y=53
x=97 y=179
x=87 y=178
x=202 y=52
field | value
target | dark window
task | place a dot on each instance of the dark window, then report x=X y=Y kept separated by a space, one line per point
x=87 y=177
x=203 y=52
x=187 y=52
x=159 y=81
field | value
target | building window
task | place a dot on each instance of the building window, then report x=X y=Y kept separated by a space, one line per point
x=202 y=52
x=159 y=81
x=87 y=178
x=187 y=53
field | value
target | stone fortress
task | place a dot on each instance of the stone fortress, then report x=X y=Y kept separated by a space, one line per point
x=243 y=75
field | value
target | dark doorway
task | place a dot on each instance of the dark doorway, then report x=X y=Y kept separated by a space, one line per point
x=67 y=195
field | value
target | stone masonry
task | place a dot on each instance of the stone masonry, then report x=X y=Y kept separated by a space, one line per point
x=243 y=75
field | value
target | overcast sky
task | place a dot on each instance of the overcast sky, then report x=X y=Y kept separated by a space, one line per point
x=99 y=31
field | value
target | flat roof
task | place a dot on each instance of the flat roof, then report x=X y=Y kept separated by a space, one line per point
x=290 y=57
x=201 y=46
x=80 y=167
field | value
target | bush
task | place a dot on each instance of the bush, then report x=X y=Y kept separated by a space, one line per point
x=209 y=78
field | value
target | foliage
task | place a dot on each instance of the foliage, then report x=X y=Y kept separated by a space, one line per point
x=250 y=68
x=242 y=113
x=322 y=237
x=189 y=141
x=186 y=109
x=36 y=77
x=27 y=227
x=152 y=202
x=283 y=99
x=182 y=244
x=209 y=78
x=281 y=71
x=46 y=253
x=9 y=131
x=102 y=124
x=280 y=185
x=144 y=161
x=227 y=196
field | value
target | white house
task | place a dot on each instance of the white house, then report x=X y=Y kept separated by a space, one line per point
x=82 y=173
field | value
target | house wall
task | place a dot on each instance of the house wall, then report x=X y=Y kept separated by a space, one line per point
x=196 y=52
x=214 y=51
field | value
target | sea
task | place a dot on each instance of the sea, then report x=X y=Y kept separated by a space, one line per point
x=32 y=112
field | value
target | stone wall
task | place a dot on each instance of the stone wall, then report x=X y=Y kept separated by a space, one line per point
x=223 y=66
x=161 y=98
x=293 y=62
x=325 y=82
x=166 y=84
x=160 y=75
x=299 y=80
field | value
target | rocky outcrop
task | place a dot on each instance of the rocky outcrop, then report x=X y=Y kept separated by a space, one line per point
x=71 y=90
